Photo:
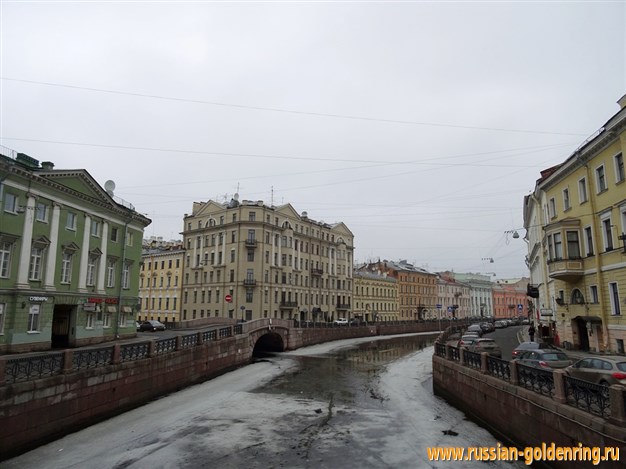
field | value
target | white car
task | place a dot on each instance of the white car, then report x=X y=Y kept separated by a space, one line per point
x=340 y=322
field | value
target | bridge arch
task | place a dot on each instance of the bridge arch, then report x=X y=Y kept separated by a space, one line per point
x=270 y=341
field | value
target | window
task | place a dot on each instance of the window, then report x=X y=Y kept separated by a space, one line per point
x=600 y=179
x=33 y=318
x=251 y=235
x=573 y=248
x=114 y=234
x=558 y=246
x=566 y=205
x=614 y=295
x=232 y=255
x=66 y=267
x=249 y=295
x=36 y=259
x=129 y=238
x=110 y=273
x=5 y=259
x=126 y=276
x=589 y=240
x=250 y=255
x=90 y=321
x=251 y=216
x=10 y=203
x=2 y=309
x=608 y=234
x=619 y=168
x=92 y=263
x=41 y=212
x=582 y=190
x=71 y=221
x=593 y=290
x=122 y=319
x=95 y=228
x=106 y=320
x=552 y=208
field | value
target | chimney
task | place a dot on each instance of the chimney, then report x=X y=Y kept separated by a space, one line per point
x=622 y=102
x=47 y=165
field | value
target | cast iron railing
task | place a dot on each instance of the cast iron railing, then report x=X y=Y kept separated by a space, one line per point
x=165 y=345
x=33 y=367
x=591 y=397
x=132 y=352
x=472 y=359
x=536 y=379
x=92 y=358
x=499 y=368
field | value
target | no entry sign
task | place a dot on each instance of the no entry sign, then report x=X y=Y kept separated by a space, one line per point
x=228 y=298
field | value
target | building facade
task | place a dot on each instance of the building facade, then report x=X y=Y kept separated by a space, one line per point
x=580 y=274
x=69 y=258
x=161 y=283
x=510 y=300
x=481 y=293
x=247 y=260
x=375 y=297
x=417 y=288
x=453 y=296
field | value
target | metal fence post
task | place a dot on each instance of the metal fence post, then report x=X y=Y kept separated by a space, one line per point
x=559 y=386
x=617 y=395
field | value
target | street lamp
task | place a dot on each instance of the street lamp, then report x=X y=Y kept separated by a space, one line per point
x=242 y=308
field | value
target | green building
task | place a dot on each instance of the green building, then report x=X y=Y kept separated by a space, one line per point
x=70 y=255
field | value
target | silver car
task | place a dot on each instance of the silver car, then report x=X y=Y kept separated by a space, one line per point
x=605 y=370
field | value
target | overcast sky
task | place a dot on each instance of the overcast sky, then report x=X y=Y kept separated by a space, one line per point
x=421 y=125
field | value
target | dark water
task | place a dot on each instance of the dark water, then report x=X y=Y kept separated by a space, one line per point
x=346 y=376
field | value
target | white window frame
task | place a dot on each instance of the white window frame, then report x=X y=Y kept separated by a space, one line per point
x=66 y=267
x=111 y=264
x=601 y=185
x=582 y=190
x=589 y=250
x=92 y=266
x=95 y=228
x=115 y=234
x=122 y=319
x=552 y=207
x=36 y=263
x=106 y=320
x=557 y=240
x=566 y=202
x=614 y=297
x=618 y=161
x=6 y=249
x=129 y=238
x=126 y=276
x=70 y=224
x=604 y=221
x=41 y=212
x=90 y=320
x=3 y=308
x=10 y=202
x=33 y=317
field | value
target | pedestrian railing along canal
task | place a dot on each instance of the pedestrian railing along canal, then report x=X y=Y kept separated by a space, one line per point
x=36 y=366
x=608 y=402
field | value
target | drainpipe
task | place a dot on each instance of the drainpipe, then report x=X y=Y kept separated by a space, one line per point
x=119 y=296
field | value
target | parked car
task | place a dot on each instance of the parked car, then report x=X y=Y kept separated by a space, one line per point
x=547 y=359
x=340 y=322
x=486 y=345
x=138 y=324
x=152 y=326
x=530 y=346
x=466 y=340
x=605 y=370
x=475 y=328
x=357 y=322
x=500 y=324
x=487 y=327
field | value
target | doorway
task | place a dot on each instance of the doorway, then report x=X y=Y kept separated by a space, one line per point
x=64 y=326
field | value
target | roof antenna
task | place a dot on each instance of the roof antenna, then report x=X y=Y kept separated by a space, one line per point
x=272 y=197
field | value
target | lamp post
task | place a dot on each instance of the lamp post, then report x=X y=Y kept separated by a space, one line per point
x=242 y=308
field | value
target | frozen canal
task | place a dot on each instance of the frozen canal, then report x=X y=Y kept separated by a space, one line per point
x=353 y=403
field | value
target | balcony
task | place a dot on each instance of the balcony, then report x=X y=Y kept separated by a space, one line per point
x=288 y=304
x=251 y=243
x=317 y=272
x=568 y=270
x=343 y=306
x=249 y=282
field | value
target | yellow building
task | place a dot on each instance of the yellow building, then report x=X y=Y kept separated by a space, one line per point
x=247 y=260
x=375 y=297
x=160 y=283
x=578 y=259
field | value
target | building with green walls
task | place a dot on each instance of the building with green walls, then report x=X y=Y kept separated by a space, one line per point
x=70 y=255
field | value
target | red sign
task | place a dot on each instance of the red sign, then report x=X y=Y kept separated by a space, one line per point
x=228 y=298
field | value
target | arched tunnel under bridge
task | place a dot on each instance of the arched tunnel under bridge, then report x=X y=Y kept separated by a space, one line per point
x=268 y=343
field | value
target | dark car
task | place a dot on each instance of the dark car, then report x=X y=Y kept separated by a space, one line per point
x=151 y=326
x=600 y=370
x=475 y=328
x=466 y=340
x=547 y=359
x=530 y=346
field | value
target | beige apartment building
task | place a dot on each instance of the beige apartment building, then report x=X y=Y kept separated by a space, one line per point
x=247 y=260
x=375 y=297
x=160 y=282
x=576 y=224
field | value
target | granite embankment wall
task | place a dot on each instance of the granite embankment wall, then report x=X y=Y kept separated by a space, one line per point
x=523 y=417
x=36 y=411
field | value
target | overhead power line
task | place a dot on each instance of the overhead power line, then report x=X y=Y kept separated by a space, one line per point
x=286 y=111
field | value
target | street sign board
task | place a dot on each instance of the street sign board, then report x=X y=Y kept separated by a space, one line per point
x=228 y=298
x=438 y=306
x=520 y=307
